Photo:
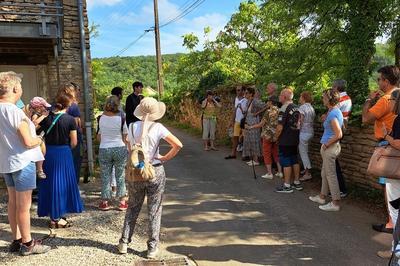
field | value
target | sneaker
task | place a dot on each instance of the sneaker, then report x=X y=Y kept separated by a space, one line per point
x=104 y=206
x=279 y=175
x=41 y=175
x=122 y=248
x=251 y=163
x=305 y=177
x=317 y=199
x=384 y=254
x=35 y=248
x=152 y=253
x=15 y=246
x=284 y=189
x=123 y=206
x=343 y=195
x=298 y=187
x=230 y=157
x=330 y=207
x=268 y=176
x=239 y=148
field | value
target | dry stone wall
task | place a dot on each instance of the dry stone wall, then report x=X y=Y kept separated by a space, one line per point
x=357 y=144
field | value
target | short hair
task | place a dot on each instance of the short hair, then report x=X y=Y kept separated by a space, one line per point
x=333 y=96
x=396 y=97
x=307 y=96
x=63 y=101
x=117 y=91
x=288 y=91
x=391 y=73
x=137 y=84
x=273 y=84
x=340 y=85
x=251 y=90
x=112 y=104
x=8 y=81
x=209 y=92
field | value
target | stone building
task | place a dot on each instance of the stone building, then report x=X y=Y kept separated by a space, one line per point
x=40 y=39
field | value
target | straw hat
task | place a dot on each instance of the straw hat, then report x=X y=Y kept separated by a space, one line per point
x=150 y=109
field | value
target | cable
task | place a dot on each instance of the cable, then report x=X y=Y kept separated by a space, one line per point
x=132 y=43
x=185 y=12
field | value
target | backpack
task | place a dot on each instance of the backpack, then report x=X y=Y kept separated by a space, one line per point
x=123 y=119
x=139 y=168
x=293 y=117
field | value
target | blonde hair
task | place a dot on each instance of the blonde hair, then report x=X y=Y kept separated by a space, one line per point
x=288 y=92
x=112 y=104
x=8 y=81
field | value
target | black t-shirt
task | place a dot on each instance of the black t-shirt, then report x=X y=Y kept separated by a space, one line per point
x=59 y=134
x=289 y=119
x=396 y=128
x=132 y=102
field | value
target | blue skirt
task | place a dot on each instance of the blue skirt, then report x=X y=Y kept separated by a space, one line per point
x=59 y=192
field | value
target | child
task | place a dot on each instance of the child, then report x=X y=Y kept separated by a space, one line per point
x=37 y=110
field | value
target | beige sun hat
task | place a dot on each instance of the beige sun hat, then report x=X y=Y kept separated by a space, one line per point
x=150 y=109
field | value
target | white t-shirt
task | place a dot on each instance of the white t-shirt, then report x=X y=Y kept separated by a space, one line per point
x=240 y=105
x=14 y=156
x=150 y=143
x=110 y=131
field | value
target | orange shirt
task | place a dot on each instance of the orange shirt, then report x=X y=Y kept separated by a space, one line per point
x=383 y=114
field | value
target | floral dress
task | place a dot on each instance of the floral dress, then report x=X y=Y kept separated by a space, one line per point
x=252 y=137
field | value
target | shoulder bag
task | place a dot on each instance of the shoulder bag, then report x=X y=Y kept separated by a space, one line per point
x=385 y=161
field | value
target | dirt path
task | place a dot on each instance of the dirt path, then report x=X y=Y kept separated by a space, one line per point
x=215 y=212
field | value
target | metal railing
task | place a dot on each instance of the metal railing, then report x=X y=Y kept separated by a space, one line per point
x=44 y=12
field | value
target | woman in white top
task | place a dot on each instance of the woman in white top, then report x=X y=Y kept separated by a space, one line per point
x=20 y=149
x=113 y=152
x=149 y=134
x=307 y=116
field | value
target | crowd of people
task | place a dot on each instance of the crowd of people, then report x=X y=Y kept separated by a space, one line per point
x=280 y=131
x=40 y=145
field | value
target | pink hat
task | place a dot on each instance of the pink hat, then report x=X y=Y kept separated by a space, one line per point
x=39 y=102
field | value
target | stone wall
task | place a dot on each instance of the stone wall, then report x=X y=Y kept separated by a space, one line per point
x=357 y=144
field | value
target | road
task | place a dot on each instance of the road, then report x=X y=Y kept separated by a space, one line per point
x=216 y=213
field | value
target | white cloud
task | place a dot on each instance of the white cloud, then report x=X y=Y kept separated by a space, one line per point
x=92 y=3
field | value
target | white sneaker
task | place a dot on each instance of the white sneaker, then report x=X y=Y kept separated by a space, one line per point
x=152 y=253
x=279 y=175
x=330 y=207
x=123 y=248
x=317 y=199
x=268 y=176
x=251 y=163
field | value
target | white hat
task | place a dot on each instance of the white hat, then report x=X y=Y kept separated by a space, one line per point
x=150 y=109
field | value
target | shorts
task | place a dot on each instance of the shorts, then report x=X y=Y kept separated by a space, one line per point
x=288 y=156
x=382 y=179
x=237 y=131
x=22 y=180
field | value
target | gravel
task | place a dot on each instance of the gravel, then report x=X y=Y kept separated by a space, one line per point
x=90 y=241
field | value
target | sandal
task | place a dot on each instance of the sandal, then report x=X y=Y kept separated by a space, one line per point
x=58 y=225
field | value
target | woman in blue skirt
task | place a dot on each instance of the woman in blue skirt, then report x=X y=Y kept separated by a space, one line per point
x=59 y=193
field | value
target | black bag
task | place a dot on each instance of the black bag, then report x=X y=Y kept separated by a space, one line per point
x=243 y=121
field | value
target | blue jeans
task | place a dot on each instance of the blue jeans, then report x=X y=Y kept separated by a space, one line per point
x=22 y=180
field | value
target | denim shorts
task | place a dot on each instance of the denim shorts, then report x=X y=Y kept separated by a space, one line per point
x=22 y=180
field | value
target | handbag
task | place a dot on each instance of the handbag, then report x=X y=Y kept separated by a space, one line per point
x=385 y=161
x=243 y=120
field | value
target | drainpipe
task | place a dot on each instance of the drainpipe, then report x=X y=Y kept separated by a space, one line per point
x=88 y=107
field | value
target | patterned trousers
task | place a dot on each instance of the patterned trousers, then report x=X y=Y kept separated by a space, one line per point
x=154 y=190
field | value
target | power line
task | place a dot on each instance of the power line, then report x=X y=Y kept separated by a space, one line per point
x=132 y=43
x=184 y=13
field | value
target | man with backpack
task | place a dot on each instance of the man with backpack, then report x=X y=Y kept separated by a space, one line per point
x=287 y=133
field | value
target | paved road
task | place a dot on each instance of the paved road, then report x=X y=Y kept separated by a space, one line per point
x=219 y=215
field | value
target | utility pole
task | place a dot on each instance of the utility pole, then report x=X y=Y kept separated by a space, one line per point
x=158 y=51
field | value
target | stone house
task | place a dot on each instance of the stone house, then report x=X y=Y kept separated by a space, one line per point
x=41 y=39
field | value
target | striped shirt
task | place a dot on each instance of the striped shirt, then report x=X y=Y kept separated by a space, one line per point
x=345 y=105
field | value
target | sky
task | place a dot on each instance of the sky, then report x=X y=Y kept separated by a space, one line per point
x=122 y=21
